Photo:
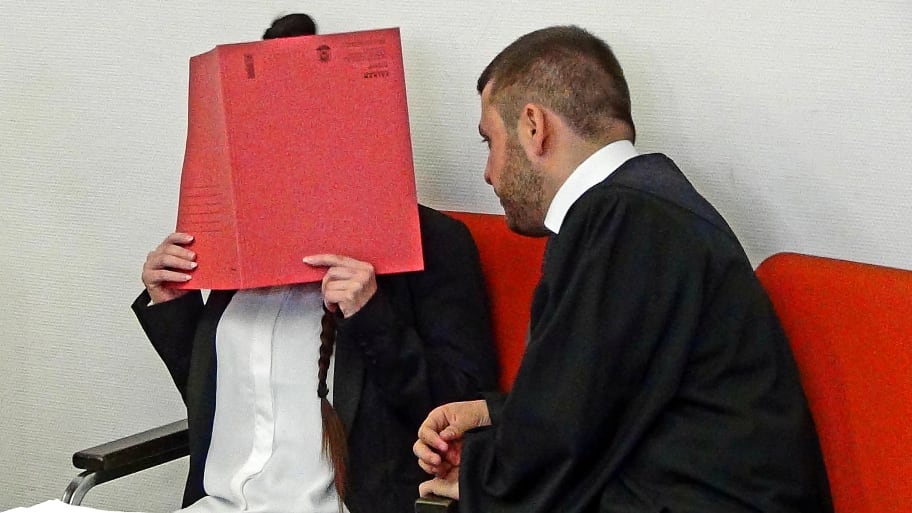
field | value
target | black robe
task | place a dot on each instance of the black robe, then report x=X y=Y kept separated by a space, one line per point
x=657 y=376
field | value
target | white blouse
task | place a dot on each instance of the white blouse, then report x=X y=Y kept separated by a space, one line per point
x=265 y=454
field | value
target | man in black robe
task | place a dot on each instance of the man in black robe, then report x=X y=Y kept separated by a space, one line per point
x=657 y=376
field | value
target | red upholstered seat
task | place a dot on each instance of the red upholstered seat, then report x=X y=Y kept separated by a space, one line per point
x=850 y=328
x=512 y=266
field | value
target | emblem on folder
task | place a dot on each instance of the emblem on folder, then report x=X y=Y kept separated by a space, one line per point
x=324 y=52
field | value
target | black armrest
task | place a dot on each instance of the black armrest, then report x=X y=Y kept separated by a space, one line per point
x=126 y=456
x=436 y=504
x=154 y=446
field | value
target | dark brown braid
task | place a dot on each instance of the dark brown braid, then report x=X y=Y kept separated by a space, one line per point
x=335 y=447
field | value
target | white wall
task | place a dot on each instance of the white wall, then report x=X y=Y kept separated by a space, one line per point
x=792 y=117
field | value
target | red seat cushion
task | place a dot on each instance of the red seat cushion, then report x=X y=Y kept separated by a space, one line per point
x=850 y=328
x=512 y=266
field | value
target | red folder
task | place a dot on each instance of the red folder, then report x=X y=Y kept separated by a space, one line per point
x=298 y=146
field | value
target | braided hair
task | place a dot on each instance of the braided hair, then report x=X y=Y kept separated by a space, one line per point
x=335 y=448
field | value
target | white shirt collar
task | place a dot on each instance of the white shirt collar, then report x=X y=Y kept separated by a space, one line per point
x=591 y=172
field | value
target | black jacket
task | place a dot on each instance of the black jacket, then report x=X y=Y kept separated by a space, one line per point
x=423 y=340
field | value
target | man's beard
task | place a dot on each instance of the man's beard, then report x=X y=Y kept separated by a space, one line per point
x=521 y=193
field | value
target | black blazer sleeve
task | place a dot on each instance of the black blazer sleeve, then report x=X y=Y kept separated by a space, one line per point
x=426 y=336
x=170 y=327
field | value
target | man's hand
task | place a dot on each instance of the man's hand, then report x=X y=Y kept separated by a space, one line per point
x=348 y=284
x=164 y=265
x=440 y=436
x=446 y=486
x=440 y=443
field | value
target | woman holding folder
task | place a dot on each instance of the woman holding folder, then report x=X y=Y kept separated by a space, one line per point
x=307 y=397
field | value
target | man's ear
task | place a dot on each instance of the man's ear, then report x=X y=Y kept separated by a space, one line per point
x=533 y=131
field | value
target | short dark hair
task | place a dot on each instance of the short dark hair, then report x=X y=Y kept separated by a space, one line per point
x=291 y=25
x=566 y=69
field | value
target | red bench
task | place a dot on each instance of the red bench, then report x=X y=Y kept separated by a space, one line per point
x=849 y=324
x=850 y=328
